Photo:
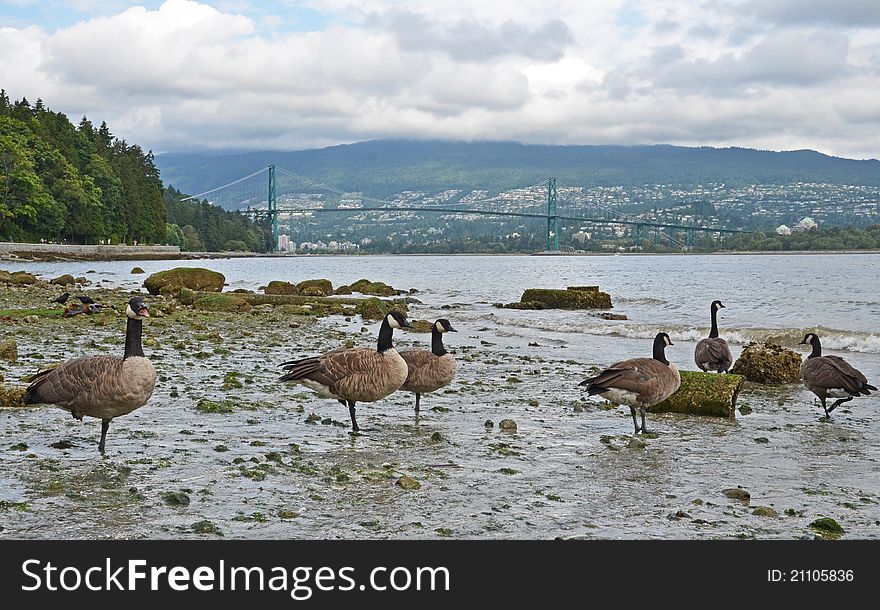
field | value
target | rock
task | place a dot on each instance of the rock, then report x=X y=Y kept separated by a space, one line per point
x=407 y=482
x=12 y=397
x=737 y=493
x=315 y=288
x=18 y=278
x=606 y=315
x=379 y=289
x=436 y=437
x=175 y=498
x=636 y=443
x=221 y=302
x=421 y=326
x=31 y=319
x=827 y=527
x=186 y=296
x=345 y=289
x=533 y=403
x=704 y=394
x=137 y=270
x=194 y=278
x=572 y=298
x=372 y=309
x=206 y=527
x=489 y=424
x=507 y=425
x=745 y=410
x=768 y=363
x=9 y=351
x=63 y=280
x=765 y=511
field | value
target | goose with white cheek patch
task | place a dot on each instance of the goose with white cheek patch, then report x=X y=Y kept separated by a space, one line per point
x=639 y=383
x=101 y=386
x=355 y=375
x=831 y=376
x=713 y=353
x=429 y=371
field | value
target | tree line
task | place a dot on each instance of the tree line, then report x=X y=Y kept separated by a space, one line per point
x=80 y=184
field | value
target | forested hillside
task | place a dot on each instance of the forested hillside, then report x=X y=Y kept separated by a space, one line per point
x=80 y=184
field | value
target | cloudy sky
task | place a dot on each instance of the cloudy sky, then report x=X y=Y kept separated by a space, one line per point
x=293 y=74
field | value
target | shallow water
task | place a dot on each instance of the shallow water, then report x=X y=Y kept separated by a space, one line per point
x=564 y=473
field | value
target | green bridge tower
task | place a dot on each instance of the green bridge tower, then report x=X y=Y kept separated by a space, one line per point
x=273 y=208
x=552 y=217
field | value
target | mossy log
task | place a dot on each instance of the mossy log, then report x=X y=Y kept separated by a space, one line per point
x=194 y=278
x=768 y=363
x=704 y=394
x=571 y=298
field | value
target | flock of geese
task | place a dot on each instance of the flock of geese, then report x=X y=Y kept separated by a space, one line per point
x=106 y=387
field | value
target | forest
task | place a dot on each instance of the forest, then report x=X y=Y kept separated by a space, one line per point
x=80 y=184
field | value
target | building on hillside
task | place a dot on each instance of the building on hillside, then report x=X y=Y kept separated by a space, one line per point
x=783 y=230
x=806 y=224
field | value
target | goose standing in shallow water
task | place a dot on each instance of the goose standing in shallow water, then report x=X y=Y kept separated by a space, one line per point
x=713 y=353
x=429 y=370
x=101 y=386
x=355 y=375
x=831 y=376
x=639 y=382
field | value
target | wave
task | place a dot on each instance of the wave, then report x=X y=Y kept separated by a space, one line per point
x=832 y=339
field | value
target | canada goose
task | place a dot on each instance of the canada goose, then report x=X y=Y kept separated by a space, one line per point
x=638 y=382
x=831 y=376
x=62 y=299
x=429 y=370
x=713 y=354
x=354 y=375
x=101 y=386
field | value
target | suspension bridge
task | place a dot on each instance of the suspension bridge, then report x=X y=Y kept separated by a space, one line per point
x=259 y=196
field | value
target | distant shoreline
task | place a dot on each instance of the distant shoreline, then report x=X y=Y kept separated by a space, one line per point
x=11 y=252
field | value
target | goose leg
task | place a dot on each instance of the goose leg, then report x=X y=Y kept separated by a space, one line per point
x=644 y=430
x=105 y=425
x=354 y=424
x=635 y=422
x=837 y=403
x=827 y=412
x=418 y=397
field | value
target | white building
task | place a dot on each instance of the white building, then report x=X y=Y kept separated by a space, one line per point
x=284 y=243
x=783 y=230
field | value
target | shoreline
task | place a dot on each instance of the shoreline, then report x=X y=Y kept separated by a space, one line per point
x=11 y=252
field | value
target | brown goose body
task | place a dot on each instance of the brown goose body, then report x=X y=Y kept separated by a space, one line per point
x=98 y=386
x=832 y=377
x=101 y=386
x=354 y=375
x=639 y=383
x=428 y=371
x=713 y=353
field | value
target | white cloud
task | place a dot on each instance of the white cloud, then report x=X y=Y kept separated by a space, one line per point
x=192 y=75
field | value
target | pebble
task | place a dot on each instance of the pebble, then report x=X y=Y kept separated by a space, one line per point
x=765 y=511
x=407 y=482
x=737 y=493
x=508 y=425
x=489 y=424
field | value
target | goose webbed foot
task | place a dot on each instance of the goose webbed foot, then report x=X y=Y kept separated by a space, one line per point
x=836 y=404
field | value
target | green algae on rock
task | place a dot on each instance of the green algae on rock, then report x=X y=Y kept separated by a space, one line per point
x=9 y=351
x=63 y=280
x=827 y=527
x=12 y=397
x=17 y=278
x=768 y=363
x=379 y=289
x=704 y=394
x=221 y=302
x=194 y=278
x=574 y=297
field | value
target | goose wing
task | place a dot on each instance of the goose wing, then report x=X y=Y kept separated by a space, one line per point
x=649 y=379
x=835 y=372
x=72 y=382
x=417 y=358
x=333 y=367
x=713 y=351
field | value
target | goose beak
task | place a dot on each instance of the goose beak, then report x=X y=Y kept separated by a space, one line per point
x=407 y=324
x=452 y=330
x=802 y=342
x=142 y=311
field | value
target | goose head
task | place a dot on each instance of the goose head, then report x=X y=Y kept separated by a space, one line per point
x=137 y=309
x=716 y=305
x=395 y=319
x=443 y=326
x=810 y=339
x=661 y=342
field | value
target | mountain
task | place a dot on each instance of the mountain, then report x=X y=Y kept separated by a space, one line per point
x=381 y=168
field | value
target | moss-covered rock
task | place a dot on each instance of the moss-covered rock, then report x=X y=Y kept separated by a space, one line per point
x=137 y=271
x=372 y=309
x=704 y=394
x=17 y=278
x=343 y=290
x=573 y=297
x=768 y=363
x=187 y=296
x=827 y=527
x=63 y=280
x=9 y=351
x=379 y=289
x=12 y=397
x=221 y=302
x=279 y=287
x=315 y=288
x=194 y=278
x=421 y=326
